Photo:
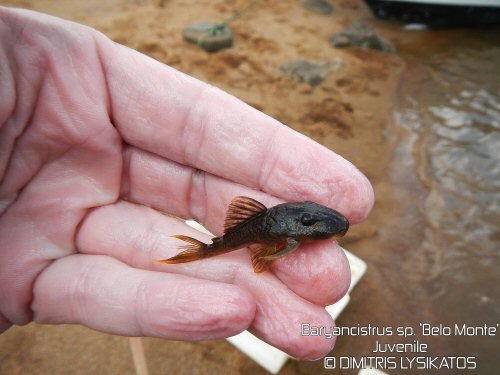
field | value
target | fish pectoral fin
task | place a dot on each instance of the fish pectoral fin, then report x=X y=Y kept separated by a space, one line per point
x=258 y=262
x=291 y=245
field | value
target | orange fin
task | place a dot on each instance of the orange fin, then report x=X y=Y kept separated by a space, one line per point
x=289 y=246
x=240 y=210
x=259 y=264
x=194 y=251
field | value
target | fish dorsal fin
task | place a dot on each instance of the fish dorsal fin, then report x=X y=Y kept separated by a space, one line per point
x=240 y=210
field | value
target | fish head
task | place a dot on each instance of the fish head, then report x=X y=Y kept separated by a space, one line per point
x=309 y=221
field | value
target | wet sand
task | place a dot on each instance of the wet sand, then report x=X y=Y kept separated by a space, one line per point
x=350 y=112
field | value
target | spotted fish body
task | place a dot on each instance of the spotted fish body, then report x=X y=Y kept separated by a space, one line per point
x=279 y=230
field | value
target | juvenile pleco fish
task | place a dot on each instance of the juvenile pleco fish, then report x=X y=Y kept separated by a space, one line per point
x=279 y=230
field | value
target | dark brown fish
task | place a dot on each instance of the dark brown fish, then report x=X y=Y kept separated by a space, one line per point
x=279 y=229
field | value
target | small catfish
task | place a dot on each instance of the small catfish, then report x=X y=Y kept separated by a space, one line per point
x=279 y=230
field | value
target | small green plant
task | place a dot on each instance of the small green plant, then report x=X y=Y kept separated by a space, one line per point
x=220 y=27
x=213 y=37
x=238 y=13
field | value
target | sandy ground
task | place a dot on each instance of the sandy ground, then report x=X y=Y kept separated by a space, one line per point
x=349 y=113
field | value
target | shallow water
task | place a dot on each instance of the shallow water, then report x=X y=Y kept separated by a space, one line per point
x=449 y=113
x=436 y=255
x=451 y=105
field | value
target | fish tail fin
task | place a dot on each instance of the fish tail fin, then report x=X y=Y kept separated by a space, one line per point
x=194 y=251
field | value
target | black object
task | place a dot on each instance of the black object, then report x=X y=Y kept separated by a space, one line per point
x=435 y=15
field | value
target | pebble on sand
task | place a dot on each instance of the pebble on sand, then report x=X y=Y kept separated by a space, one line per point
x=360 y=35
x=306 y=71
x=318 y=6
x=210 y=36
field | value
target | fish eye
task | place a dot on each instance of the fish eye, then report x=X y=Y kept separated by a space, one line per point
x=307 y=219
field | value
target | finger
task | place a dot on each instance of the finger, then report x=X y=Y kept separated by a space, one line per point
x=180 y=118
x=168 y=186
x=319 y=272
x=181 y=190
x=107 y=295
x=139 y=235
x=187 y=192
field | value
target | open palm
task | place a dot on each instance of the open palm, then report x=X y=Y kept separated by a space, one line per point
x=102 y=148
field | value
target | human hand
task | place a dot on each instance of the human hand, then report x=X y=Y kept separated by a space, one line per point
x=97 y=142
